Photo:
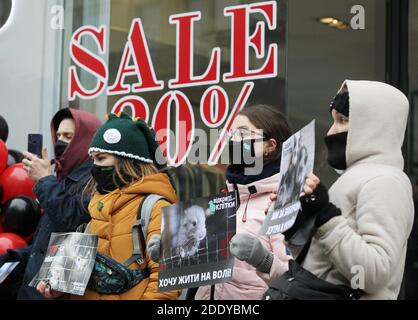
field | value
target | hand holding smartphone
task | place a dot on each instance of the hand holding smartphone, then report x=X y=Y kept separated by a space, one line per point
x=35 y=144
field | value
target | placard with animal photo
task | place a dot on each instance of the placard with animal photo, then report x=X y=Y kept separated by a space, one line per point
x=68 y=263
x=195 y=237
x=298 y=154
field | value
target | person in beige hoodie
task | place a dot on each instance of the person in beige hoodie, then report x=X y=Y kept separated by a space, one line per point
x=363 y=223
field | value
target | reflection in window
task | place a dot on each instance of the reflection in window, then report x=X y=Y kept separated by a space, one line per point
x=320 y=58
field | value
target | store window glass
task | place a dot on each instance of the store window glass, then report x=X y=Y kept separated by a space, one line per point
x=80 y=13
x=313 y=58
x=413 y=83
x=321 y=57
x=212 y=29
x=153 y=32
x=411 y=264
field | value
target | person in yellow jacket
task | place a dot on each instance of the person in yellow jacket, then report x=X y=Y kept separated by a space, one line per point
x=124 y=172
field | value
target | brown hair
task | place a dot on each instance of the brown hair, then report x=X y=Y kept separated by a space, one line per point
x=127 y=171
x=273 y=122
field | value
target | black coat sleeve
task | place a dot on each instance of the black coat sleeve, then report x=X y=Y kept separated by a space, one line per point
x=66 y=211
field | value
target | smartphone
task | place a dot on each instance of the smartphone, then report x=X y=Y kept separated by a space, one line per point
x=35 y=144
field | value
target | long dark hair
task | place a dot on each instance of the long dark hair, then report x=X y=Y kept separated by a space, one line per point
x=273 y=123
x=127 y=171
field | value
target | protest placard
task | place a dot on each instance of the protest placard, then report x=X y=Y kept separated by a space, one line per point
x=68 y=263
x=195 y=242
x=298 y=153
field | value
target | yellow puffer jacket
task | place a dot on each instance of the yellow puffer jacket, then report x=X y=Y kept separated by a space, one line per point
x=113 y=215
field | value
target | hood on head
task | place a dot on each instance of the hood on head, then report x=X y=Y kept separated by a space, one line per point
x=86 y=125
x=378 y=120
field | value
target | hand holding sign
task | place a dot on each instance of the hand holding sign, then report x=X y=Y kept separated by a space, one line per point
x=44 y=288
x=154 y=246
x=318 y=204
x=248 y=248
x=296 y=166
x=68 y=264
x=311 y=183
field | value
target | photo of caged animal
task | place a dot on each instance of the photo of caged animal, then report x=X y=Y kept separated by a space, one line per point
x=294 y=177
x=191 y=231
x=69 y=264
x=57 y=273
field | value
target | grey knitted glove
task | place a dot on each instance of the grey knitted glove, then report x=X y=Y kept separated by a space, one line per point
x=248 y=248
x=154 y=247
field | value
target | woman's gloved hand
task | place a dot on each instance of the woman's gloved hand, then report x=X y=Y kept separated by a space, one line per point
x=311 y=184
x=248 y=248
x=153 y=248
x=315 y=202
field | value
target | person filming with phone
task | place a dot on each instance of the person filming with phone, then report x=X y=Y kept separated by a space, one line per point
x=59 y=194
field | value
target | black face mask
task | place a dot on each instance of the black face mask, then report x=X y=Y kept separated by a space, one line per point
x=337 y=145
x=242 y=152
x=60 y=147
x=104 y=178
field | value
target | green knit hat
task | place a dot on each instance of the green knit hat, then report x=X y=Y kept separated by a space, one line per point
x=125 y=137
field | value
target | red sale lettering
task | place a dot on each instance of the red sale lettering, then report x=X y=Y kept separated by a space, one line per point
x=214 y=106
x=184 y=131
x=184 y=62
x=174 y=107
x=87 y=61
x=239 y=105
x=242 y=41
x=139 y=107
x=137 y=48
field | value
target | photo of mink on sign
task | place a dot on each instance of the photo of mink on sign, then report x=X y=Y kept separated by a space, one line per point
x=192 y=230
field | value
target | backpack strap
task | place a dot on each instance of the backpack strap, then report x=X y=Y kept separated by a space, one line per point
x=140 y=228
x=302 y=255
x=84 y=228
